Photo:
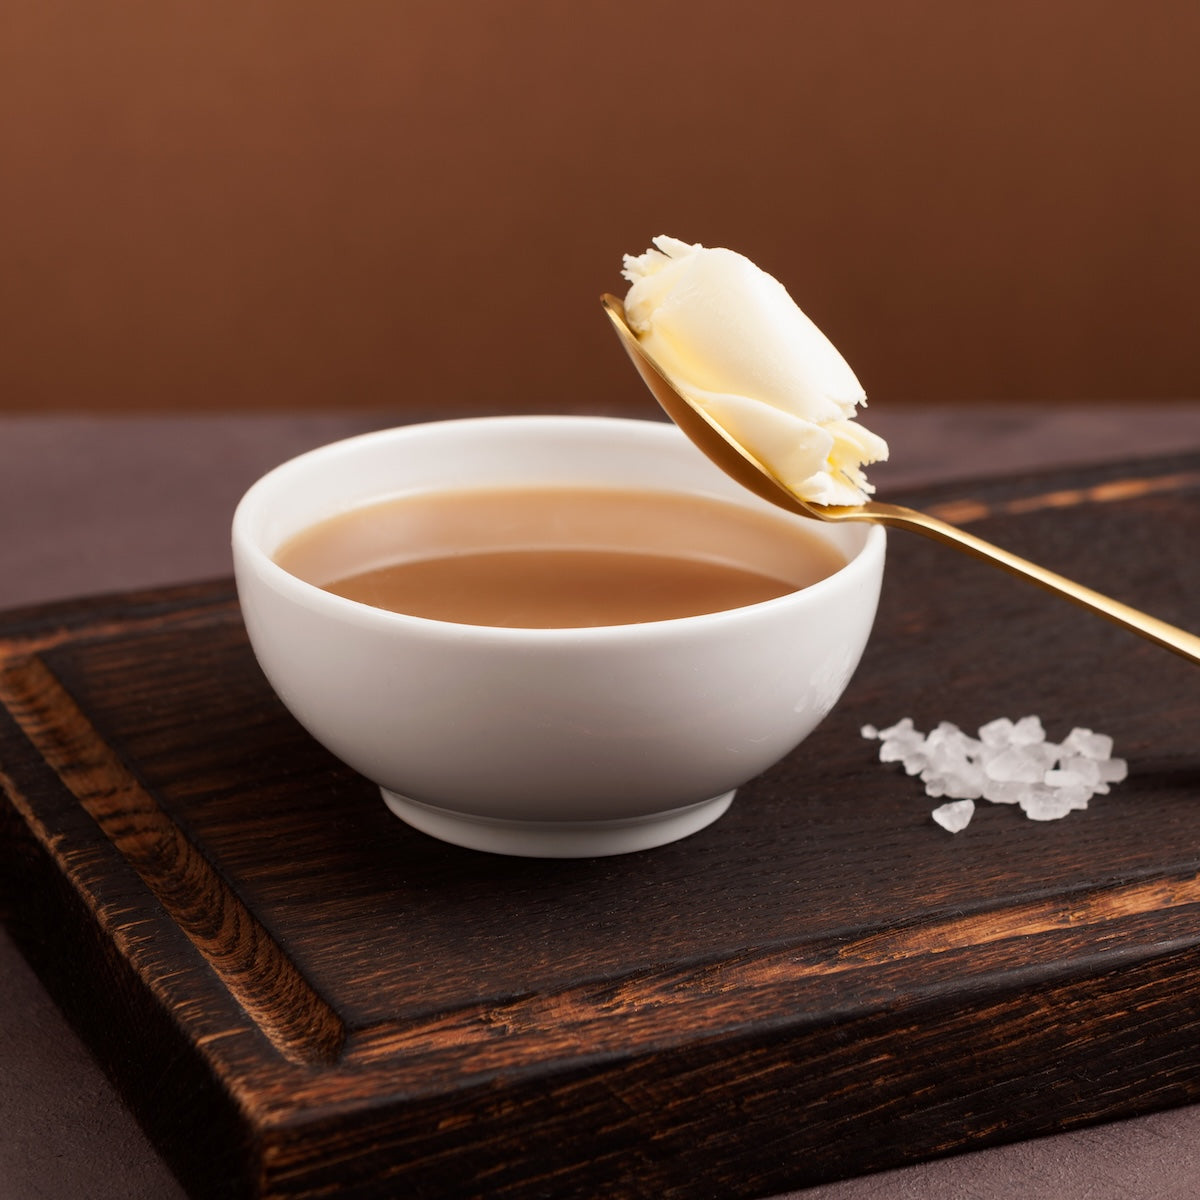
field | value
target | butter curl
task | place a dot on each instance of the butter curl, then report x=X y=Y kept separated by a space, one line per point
x=735 y=343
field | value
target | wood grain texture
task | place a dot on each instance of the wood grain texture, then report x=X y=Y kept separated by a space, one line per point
x=303 y=997
x=248 y=962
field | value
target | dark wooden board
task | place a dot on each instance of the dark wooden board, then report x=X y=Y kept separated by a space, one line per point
x=301 y=996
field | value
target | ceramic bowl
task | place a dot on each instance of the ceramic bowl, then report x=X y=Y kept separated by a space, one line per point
x=544 y=742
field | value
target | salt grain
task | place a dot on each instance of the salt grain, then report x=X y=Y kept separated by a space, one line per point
x=1027 y=731
x=955 y=816
x=1089 y=744
x=1113 y=770
x=1004 y=793
x=1008 y=763
x=1011 y=765
x=996 y=733
x=1045 y=805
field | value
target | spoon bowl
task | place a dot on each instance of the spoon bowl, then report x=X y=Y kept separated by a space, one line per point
x=750 y=471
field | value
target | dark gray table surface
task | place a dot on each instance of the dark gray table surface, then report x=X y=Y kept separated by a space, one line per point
x=90 y=505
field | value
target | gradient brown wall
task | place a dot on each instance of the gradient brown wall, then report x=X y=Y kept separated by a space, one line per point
x=367 y=204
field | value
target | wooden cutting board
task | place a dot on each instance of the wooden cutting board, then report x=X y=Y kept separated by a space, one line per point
x=300 y=996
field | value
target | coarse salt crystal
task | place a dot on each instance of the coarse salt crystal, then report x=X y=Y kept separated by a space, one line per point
x=1012 y=765
x=904 y=725
x=1004 y=793
x=996 y=733
x=1087 y=769
x=1089 y=744
x=1045 y=805
x=1027 y=731
x=954 y=816
x=1113 y=770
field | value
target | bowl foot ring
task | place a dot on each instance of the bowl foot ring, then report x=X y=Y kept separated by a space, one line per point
x=557 y=839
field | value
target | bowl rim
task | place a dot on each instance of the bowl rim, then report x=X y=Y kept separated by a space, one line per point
x=251 y=559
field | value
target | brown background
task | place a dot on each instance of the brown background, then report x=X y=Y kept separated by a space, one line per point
x=416 y=203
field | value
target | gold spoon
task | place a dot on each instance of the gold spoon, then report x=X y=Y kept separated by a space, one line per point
x=735 y=460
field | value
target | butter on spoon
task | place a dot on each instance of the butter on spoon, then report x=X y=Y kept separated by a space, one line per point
x=733 y=341
x=690 y=406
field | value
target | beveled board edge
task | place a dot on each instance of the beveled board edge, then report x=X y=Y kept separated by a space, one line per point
x=112 y=969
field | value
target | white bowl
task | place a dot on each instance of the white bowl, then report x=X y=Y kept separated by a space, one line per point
x=544 y=742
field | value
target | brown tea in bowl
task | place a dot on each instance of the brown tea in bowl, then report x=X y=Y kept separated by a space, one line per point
x=551 y=557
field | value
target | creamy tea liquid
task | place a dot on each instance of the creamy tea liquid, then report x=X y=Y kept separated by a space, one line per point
x=550 y=557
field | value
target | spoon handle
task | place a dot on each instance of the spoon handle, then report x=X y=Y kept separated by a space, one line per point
x=1169 y=636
